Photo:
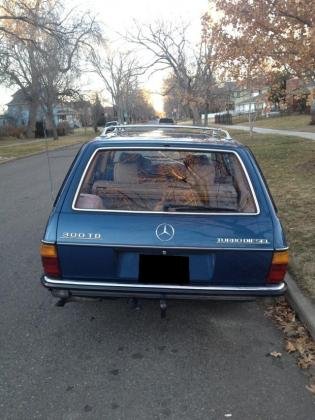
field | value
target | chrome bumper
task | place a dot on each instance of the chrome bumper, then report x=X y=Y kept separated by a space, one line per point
x=102 y=289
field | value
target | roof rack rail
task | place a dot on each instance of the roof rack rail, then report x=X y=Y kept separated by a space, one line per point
x=125 y=128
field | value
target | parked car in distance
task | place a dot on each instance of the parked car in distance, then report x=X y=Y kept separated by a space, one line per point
x=111 y=123
x=110 y=126
x=176 y=212
x=166 y=121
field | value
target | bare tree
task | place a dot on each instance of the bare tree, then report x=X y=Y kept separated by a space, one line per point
x=174 y=106
x=119 y=72
x=192 y=68
x=139 y=106
x=59 y=68
x=17 y=68
x=44 y=66
x=97 y=112
x=19 y=19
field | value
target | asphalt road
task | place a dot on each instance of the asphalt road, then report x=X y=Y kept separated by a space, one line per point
x=103 y=360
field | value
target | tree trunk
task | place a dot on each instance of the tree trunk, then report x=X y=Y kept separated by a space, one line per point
x=31 y=125
x=50 y=115
x=206 y=115
x=55 y=133
x=312 y=122
x=250 y=119
x=251 y=126
x=195 y=112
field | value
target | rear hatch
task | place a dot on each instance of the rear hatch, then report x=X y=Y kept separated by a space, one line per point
x=126 y=248
x=150 y=216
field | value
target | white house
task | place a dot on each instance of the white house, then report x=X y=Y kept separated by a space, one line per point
x=18 y=112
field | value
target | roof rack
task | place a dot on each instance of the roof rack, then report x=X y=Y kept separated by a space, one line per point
x=134 y=128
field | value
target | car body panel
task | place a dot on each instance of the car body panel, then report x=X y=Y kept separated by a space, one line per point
x=231 y=251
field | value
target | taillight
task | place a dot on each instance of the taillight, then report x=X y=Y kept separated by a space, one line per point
x=50 y=260
x=279 y=265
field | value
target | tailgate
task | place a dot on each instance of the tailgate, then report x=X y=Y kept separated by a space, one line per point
x=163 y=249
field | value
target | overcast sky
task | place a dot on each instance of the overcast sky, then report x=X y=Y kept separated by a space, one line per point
x=118 y=15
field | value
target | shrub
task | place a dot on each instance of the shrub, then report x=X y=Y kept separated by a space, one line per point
x=63 y=128
x=10 y=131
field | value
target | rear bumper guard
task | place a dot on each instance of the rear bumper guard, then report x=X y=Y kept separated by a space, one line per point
x=102 y=289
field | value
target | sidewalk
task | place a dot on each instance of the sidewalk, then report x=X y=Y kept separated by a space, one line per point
x=303 y=134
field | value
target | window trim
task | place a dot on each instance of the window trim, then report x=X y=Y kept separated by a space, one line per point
x=166 y=212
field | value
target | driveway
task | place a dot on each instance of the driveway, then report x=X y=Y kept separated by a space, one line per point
x=104 y=360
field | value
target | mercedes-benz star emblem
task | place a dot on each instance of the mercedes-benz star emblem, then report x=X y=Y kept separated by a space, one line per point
x=165 y=232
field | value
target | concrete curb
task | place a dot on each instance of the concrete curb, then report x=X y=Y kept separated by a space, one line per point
x=303 y=306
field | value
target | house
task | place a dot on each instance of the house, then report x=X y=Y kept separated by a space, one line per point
x=237 y=100
x=299 y=95
x=6 y=121
x=67 y=113
x=254 y=102
x=232 y=97
x=18 y=111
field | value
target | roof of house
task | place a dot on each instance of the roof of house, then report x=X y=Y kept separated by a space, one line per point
x=18 y=98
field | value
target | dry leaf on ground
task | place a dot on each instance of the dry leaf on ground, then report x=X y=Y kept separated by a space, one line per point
x=290 y=347
x=311 y=388
x=275 y=354
x=297 y=337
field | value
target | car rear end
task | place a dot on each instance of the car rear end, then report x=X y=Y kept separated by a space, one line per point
x=164 y=219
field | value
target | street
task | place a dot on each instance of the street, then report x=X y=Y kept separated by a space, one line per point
x=105 y=360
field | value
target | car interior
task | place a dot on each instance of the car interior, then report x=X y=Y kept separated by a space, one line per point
x=170 y=181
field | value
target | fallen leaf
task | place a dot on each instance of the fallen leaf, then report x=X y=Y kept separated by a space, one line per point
x=297 y=338
x=311 y=388
x=291 y=330
x=290 y=347
x=305 y=361
x=275 y=354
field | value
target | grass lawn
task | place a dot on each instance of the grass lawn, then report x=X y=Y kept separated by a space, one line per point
x=11 y=148
x=292 y=122
x=288 y=164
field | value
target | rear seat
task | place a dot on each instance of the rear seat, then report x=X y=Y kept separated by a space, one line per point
x=201 y=177
x=246 y=202
x=89 y=201
x=195 y=185
x=126 y=173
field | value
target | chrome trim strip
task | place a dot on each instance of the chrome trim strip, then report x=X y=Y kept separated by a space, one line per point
x=64 y=283
x=164 y=212
x=190 y=248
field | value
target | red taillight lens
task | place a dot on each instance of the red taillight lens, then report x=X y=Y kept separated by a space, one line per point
x=50 y=260
x=279 y=265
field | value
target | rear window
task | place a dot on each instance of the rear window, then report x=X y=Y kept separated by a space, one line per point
x=165 y=181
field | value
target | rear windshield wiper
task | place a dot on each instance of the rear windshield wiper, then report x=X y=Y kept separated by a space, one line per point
x=192 y=208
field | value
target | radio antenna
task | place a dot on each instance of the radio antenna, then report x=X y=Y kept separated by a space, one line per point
x=49 y=163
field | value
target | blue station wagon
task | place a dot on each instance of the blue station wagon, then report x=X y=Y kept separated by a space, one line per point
x=164 y=212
